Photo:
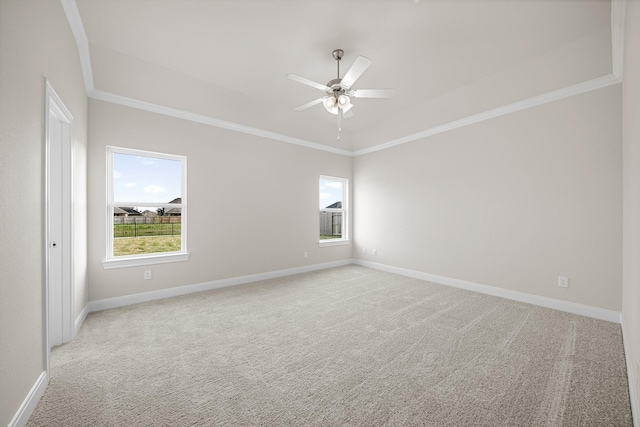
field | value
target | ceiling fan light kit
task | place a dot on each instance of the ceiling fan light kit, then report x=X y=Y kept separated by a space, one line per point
x=338 y=91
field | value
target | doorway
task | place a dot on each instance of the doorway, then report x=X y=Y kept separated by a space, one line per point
x=58 y=222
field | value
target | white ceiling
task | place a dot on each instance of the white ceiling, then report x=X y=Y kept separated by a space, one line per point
x=233 y=57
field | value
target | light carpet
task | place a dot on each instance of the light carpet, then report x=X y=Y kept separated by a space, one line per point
x=347 y=346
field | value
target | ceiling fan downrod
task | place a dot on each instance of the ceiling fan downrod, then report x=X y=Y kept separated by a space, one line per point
x=337 y=55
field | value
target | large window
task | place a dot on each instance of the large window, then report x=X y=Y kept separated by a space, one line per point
x=146 y=207
x=333 y=210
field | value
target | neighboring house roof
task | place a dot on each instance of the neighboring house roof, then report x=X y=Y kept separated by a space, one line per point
x=336 y=205
x=130 y=211
x=174 y=211
x=118 y=211
x=149 y=213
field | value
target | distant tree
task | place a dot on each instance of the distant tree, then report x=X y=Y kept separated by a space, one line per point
x=160 y=211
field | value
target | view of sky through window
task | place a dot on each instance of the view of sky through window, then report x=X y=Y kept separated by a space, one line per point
x=331 y=191
x=145 y=179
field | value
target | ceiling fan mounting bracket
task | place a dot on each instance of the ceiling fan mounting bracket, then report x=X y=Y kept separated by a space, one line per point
x=337 y=54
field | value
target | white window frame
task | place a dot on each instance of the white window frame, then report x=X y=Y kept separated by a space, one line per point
x=111 y=261
x=344 y=240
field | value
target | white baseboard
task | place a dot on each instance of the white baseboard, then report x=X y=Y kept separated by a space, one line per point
x=80 y=320
x=108 y=303
x=630 y=378
x=570 y=307
x=30 y=402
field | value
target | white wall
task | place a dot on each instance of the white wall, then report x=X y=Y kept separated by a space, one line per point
x=512 y=202
x=631 y=182
x=253 y=202
x=35 y=42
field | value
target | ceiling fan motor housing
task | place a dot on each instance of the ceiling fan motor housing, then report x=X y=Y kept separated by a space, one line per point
x=335 y=86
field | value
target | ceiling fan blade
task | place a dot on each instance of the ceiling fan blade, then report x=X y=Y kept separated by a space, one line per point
x=359 y=66
x=308 y=82
x=373 y=93
x=309 y=104
x=347 y=114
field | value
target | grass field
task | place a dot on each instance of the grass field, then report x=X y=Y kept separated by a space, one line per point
x=145 y=245
x=329 y=236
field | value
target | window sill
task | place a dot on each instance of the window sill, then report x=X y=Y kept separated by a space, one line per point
x=333 y=242
x=144 y=260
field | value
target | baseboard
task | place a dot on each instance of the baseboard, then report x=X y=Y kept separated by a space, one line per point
x=570 y=307
x=80 y=320
x=30 y=402
x=116 y=302
x=630 y=378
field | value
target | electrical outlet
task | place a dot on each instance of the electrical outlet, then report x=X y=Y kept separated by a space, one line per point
x=305 y=254
x=374 y=252
x=147 y=275
x=563 y=281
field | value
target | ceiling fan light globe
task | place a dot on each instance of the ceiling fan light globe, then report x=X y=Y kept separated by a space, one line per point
x=329 y=102
x=343 y=101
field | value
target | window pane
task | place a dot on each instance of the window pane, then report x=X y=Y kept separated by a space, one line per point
x=142 y=231
x=146 y=179
x=147 y=203
x=330 y=225
x=331 y=193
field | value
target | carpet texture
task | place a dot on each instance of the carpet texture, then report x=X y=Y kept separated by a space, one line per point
x=347 y=346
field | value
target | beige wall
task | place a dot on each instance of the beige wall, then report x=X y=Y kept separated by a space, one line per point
x=631 y=185
x=253 y=202
x=35 y=42
x=575 y=62
x=512 y=202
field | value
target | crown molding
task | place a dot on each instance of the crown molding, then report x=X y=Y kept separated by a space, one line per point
x=556 y=95
x=77 y=28
x=618 y=13
x=618 y=8
x=101 y=95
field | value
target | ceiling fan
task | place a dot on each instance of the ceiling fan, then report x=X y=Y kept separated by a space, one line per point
x=338 y=91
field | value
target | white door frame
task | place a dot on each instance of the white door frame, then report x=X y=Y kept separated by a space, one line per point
x=58 y=233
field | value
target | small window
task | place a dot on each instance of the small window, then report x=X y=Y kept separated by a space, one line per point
x=146 y=207
x=333 y=209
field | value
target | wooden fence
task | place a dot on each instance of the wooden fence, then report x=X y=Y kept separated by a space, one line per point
x=135 y=219
x=331 y=223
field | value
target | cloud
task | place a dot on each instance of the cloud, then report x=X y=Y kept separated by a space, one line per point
x=117 y=174
x=325 y=196
x=335 y=184
x=154 y=189
x=130 y=184
x=148 y=161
